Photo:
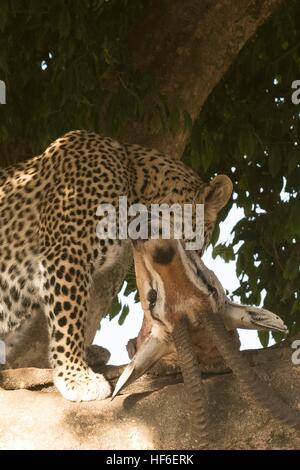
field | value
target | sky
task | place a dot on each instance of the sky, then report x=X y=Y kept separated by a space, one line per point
x=114 y=337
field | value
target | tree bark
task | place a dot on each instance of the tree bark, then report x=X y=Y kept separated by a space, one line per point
x=153 y=413
x=186 y=48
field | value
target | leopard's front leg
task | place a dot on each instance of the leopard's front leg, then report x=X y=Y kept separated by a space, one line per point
x=66 y=291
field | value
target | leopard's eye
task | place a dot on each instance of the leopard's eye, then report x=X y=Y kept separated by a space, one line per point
x=152 y=297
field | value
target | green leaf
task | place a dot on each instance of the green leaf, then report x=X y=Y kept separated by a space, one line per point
x=115 y=308
x=215 y=235
x=123 y=315
x=264 y=337
x=225 y=252
x=240 y=265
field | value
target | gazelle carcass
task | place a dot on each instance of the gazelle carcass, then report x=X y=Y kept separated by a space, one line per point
x=179 y=295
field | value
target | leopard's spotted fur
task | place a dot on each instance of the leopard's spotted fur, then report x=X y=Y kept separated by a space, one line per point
x=49 y=250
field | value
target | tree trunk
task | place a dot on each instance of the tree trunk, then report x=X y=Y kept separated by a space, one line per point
x=186 y=48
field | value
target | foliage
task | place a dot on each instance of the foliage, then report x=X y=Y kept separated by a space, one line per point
x=66 y=67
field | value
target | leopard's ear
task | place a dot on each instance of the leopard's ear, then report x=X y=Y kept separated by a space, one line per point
x=217 y=194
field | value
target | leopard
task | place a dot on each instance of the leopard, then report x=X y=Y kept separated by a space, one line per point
x=50 y=252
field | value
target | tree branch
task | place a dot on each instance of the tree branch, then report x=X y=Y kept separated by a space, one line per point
x=141 y=419
x=186 y=48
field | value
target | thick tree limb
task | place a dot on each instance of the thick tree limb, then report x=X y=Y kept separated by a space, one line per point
x=141 y=419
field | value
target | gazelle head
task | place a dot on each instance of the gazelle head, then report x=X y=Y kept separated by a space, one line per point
x=173 y=284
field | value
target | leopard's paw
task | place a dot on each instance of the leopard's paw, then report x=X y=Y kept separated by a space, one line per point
x=82 y=386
